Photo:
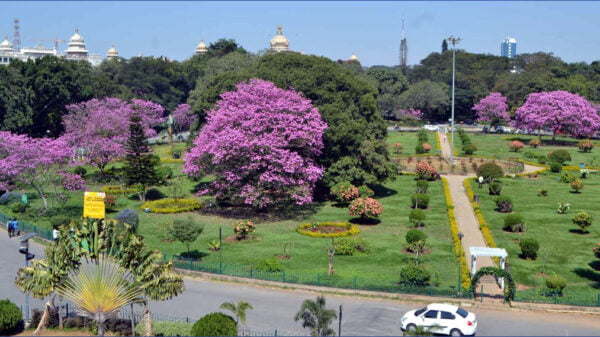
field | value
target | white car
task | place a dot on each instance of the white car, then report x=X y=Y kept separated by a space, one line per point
x=430 y=127
x=438 y=318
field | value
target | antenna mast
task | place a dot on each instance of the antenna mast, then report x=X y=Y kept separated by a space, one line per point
x=17 y=37
x=403 y=49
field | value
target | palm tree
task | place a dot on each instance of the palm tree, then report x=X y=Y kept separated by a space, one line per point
x=99 y=291
x=238 y=310
x=316 y=316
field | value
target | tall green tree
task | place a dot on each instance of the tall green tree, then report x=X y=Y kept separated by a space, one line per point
x=140 y=163
x=430 y=97
x=187 y=231
x=238 y=310
x=444 y=46
x=316 y=317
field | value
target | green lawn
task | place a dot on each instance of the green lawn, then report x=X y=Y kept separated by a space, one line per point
x=409 y=140
x=569 y=254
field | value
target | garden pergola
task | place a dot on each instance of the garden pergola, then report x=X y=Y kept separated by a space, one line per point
x=491 y=252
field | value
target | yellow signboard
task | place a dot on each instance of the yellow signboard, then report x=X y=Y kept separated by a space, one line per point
x=93 y=205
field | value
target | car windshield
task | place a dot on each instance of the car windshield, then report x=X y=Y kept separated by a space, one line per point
x=462 y=312
x=420 y=311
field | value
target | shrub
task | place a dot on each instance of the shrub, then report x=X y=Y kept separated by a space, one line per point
x=17 y=207
x=80 y=171
x=422 y=136
x=129 y=217
x=59 y=220
x=535 y=143
x=585 y=145
x=365 y=192
x=270 y=265
x=563 y=208
x=530 y=154
x=365 y=207
x=419 y=200
x=110 y=201
x=170 y=205
x=583 y=220
x=9 y=197
x=177 y=154
x=215 y=324
x=414 y=275
x=398 y=148
x=243 y=229
x=415 y=235
x=469 y=149
x=542 y=159
x=556 y=284
x=504 y=204
x=422 y=186
x=425 y=171
x=495 y=187
x=529 y=248
x=166 y=328
x=416 y=217
x=350 y=245
x=516 y=146
x=119 y=326
x=555 y=167
x=36 y=316
x=350 y=229
x=344 y=192
x=567 y=178
x=11 y=318
x=542 y=192
x=561 y=156
x=514 y=223
x=490 y=171
x=419 y=149
x=163 y=174
x=576 y=185
x=426 y=147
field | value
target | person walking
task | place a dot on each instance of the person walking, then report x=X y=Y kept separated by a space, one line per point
x=445 y=138
x=55 y=234
x=480 y=180
x=16 y=227
x=9 y=227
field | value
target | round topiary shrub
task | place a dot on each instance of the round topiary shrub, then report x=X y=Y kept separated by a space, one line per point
x=414 y=275
x=516 y=146
x=415 y=235
x=215 y=324
x=422 y=186
x=514 y=223
x=365 y=192
x=344 y=192
x=556 y=284
x=585 y=145
x=576 y=185
x=561 y=156
x=129 y=217
x=529 y=248
x=416 y=217
x=11 y=318
x=495 y=187
x=419 y=200
x=365 y=208
x=419 y=149
x=490 y=171
x=425 y=171
x=80 y=171
x=583 y=220
x=504 y=204
x=555 y=167
x=535 y=143
x=469 y=149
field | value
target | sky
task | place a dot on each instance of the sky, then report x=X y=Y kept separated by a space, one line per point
x=336 y=29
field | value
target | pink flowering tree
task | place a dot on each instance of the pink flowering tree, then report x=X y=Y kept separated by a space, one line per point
x=31 y=161
x=183 y=118
x=260 y=142
x=559 y=111
x=64 y=182
x=492 y=109
x=411 y=115
x=98 y=129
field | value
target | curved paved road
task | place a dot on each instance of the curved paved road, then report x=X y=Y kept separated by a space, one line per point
x=275 y=308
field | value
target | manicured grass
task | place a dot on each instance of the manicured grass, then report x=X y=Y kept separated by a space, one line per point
x=410 y=141
x=569 y=254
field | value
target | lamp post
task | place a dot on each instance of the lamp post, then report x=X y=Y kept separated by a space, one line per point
x=460 y=236
x=24 y=249
x=453 y=40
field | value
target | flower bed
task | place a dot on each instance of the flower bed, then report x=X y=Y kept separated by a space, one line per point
x=328 y=229
x=164 y=206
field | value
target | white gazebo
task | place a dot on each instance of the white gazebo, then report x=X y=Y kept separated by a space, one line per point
x=491 y=252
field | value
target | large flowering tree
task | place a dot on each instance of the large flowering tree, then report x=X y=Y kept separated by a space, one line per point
x=100 y=127
x=260 y=142
x=183 y=117
x=492 y=109
x=559 y=111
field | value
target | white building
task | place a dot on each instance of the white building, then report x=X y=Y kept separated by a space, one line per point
x=201 y=49
x=279 y=42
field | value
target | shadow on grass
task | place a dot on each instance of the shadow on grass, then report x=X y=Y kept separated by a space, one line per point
x=290 y=212
x=590 y=275
x=365 y=221
x=595 y=265
x=192 y=255
x=382 y=191
x=151 y=195
x=578 y=231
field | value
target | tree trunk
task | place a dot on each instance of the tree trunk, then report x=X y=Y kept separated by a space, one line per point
x=132 y=320
x=60 y=316
x=147 y=319
x=100 y=325
x=45 y=318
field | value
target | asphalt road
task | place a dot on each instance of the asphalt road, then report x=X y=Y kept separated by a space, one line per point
x=275 y=308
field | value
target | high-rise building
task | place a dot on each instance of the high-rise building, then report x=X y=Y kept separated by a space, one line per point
x=508 y=47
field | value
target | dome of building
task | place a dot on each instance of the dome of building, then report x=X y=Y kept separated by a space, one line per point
x=279 y=42
x=76 y=37
x=112 y=53
x=353 y=57
x=201 y=48
x=76 y=47
x=6 y=46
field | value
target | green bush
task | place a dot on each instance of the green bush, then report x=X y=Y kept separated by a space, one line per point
x=495 y=187
x=530 y=154
x=80 y=170
x=414 y=275
x=567 y=178
x=504 y=204
x=365 y=192
x=529 y=248
x=422 y=136
x=271 y=265
x=17 y=207
x=165 y=328
x=422 y=186
x=350 y=245
x=576 y=185
x=415 y=235
x=514 y=223
x=416 y=217
x=59 y=220
x=555 y=167
x=469 y=149
x=163 y=173
x=556 y=284
x=490 y=171
x=215 y=324
x=420 y=149
x=419 y=200
x=542 y=192
x=561 y=156
x=542 y=159
x=11 y=318
x=583 y=220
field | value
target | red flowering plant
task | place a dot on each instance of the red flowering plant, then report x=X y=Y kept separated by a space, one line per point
x=516 y=146
x=243 y=229
x=427 y=147
x=365 y=208
x=425 y=171
x=344 y=192
x=398 y=148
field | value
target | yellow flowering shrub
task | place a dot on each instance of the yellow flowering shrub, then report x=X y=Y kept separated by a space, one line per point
x=164 y=206
x=171 y=160
x=118 y=189
x=350 y=229
x=438 y=143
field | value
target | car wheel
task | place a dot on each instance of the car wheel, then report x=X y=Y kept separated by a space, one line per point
x=455 y=332
x=411 y=327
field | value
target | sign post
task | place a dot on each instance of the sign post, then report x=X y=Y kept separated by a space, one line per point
x=93 y=205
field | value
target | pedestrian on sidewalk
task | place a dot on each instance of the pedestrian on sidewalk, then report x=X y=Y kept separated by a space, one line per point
x=445 y=138
x=9 y=227
x=480 y=180
x=16 y=228
x=55 y=234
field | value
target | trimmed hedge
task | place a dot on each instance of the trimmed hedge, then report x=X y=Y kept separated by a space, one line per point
x=167 y=328
x=171 y=160
x=215 y=324
x=118 y=189
x=350 y=229
x=164 y=206
x=11 y=318
x=483 y=226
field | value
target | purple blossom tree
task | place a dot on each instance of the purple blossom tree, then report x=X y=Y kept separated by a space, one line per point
x=183 y=117
x=260 y=142
x=410 y=114
x=492 y=109
x=559 y=111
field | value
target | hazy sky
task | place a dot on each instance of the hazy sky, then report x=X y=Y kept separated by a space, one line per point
x=372 y=30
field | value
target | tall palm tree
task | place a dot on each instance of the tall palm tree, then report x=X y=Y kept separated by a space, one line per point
x=238 y=310
x=99 y=290
x=316 y=316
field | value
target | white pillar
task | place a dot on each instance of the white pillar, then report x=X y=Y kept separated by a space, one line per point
x=502 y=264
x=473 y=264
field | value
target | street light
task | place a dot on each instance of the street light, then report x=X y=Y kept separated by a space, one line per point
x=453 y=40
x=24 y=249
x=460 y=236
